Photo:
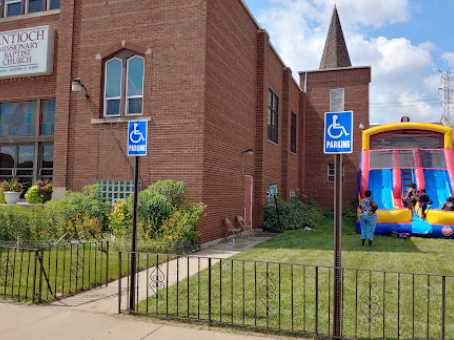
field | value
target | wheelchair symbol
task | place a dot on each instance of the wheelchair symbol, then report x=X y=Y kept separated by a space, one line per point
x=136 y=136
x=336 y=130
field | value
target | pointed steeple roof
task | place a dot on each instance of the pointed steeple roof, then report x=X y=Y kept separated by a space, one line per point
x=335 y=53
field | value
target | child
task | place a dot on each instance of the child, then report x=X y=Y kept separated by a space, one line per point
x=424 y=201
x=410 y=198
x=449 y=204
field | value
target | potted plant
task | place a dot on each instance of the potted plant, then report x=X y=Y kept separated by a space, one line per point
x=12 y=190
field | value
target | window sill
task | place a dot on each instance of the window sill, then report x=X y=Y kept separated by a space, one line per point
x=118 y=120
x=272 y=142
x=30 y=15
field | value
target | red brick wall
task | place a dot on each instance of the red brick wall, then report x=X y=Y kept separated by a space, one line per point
x=272 y=152
x=355 y=81
x=293 y=161
x=230 y=112
x=171 y=36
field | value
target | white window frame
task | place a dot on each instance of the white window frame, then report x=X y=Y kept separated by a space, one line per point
x=127 y=97
x=105 y=87
x=27 y=6
x=10 y=2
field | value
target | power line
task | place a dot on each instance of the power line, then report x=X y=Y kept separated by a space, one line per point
x=447 y=94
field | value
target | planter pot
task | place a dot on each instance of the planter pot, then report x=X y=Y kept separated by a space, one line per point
x=12 y=197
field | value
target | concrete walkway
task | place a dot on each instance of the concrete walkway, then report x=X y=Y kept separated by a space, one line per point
x=93 y=314
x=21 y=322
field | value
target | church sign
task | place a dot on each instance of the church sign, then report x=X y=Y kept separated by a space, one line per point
x=26 y=52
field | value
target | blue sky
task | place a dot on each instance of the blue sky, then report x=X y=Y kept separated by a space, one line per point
x=405 y=42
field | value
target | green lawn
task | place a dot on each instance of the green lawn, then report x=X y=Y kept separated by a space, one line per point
x=248 y=291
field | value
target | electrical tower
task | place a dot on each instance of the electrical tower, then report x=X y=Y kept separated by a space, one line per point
x=447 y=95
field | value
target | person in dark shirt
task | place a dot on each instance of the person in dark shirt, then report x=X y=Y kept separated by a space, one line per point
x=367 y=218
x=424 y=201
x=449 y=204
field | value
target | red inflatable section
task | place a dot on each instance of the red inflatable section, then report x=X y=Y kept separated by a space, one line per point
x=397 y=181
x=419 y=171
x=364 y=173
x=449 y=157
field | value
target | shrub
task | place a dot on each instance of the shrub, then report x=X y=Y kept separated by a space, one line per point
x=80 y=214
x=153 y=209
x=171 y=189
x=33 y=196
x=294 y=214
x=2 y=197
x=11 y=185
x=120 y=219
x=24 y=223
x=181 y=227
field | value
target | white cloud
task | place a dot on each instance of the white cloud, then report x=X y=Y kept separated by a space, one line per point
x=402 y=72
x=449 y=58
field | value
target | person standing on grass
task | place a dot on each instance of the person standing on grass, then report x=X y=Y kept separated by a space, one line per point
x=367 y=218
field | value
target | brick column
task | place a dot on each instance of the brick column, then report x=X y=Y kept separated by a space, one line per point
x=262 y=41
x=287 y=74
x=63 y=96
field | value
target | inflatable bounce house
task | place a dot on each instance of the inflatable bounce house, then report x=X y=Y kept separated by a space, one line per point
x=396 y=155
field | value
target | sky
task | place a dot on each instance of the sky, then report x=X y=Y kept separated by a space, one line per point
x=406 y=42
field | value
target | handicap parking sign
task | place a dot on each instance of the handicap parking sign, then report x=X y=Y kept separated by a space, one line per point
x=338 y=132
x=137 y=137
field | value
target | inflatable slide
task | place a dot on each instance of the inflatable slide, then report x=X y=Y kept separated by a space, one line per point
x=395 y=156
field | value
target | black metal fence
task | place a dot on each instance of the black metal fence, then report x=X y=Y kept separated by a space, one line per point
x=45 y=273
x=290 y=298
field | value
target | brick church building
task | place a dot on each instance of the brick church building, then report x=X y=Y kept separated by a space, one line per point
x=225 y=114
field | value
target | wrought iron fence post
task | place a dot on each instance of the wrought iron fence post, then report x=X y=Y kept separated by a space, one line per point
x=120 y=272
x=40 y=260
x=443 y=307
x=209 y=290
x=107 y=263
x=34 y=277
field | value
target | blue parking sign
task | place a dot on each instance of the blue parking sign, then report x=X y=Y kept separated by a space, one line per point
x=137 y=137
x=338 y=132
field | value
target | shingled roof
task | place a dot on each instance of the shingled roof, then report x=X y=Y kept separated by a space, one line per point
x=335 y=53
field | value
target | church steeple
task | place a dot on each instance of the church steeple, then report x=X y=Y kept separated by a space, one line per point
x=335 y=53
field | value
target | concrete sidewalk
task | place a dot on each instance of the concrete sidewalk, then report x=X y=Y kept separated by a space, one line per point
x=22 y=322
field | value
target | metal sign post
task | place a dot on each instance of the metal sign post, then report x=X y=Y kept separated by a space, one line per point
x=137 y=147
x=338 y=139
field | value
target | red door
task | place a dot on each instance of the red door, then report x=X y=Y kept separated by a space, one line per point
x=248 y=183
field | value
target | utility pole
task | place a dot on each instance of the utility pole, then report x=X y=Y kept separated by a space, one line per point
x=447 y=95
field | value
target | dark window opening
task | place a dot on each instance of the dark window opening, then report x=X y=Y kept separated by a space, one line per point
x=273 y=116
x=293 y=126
x=26 y=140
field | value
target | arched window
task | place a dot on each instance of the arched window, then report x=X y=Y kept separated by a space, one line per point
x=134 y=93
x=124 y=84
x=112 y=87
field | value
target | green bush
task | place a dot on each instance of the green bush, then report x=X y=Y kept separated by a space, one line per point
x=32 y=195
x=2 y=197
x=171 y=189
x=24 y=223
x=162 y=216
x=181 y=226
x=80 y=214
x=294 y=214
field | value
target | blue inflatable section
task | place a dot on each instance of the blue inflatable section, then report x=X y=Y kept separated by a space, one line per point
x=437 y=186
x=381 y=185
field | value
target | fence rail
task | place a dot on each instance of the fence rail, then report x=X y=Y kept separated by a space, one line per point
x=292 y=298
